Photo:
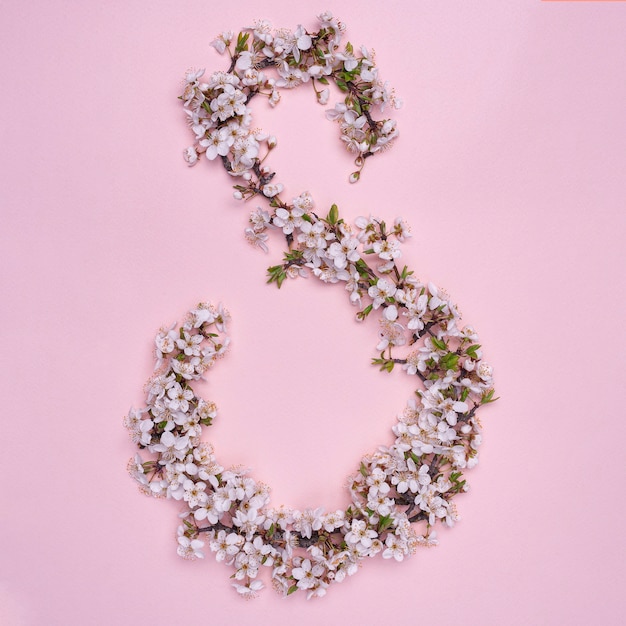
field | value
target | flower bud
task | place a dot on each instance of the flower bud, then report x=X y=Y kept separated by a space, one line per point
x=323 y=96
x=272 y=142
x=238 y=195
x=191 y=156
x=354 y=177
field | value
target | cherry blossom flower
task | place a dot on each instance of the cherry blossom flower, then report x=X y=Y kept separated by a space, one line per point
x=395 y=548
x=288 y=220
x=249 y=590
x=189 y=548
x=307 y=574
x=344 y=251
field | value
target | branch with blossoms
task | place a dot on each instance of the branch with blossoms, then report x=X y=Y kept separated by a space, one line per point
x=218 y=111
x=400 y=492
x=412 y=481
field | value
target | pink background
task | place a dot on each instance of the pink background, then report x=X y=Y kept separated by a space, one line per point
x=510 y=167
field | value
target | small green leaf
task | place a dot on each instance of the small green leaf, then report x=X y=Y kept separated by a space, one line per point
x=333 y=215
x=416 y=459
x=363 y=469
x=242 y=44
x=488 y=397
x=438 y=343
x=365 y=312
x=450 y=361
x=471 y=351
x=405 y=272
x=292 y=589
x=323 y=80
x=362 y=268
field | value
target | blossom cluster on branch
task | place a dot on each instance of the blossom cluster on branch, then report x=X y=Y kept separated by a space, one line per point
x=401 y=491
x=411 y=482
x=218 y=111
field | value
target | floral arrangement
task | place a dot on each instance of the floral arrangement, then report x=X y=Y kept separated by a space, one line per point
x=400 y=492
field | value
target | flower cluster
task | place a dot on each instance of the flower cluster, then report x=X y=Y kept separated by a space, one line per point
x=217 y=107
x=401 y=491
x=414 y=480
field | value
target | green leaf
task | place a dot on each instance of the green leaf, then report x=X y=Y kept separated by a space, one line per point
x=406 y=273
x=365 y=312
x=488 y=397
x=362 y=268
x=416 y=459
x=323 y=80
x=457 y=485
x=385 y=522
x=292 y=589
x=471 y=351
x=450 y=361
x=277 y=274
x=293 y=255
x=363 y=469
x=385 y=364
x=438 y=343
x=333 y=215
x=242 y=44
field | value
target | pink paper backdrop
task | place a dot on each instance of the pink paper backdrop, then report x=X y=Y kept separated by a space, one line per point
x=510 y=167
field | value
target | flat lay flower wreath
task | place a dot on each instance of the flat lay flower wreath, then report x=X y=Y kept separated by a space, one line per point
x=399 y=492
